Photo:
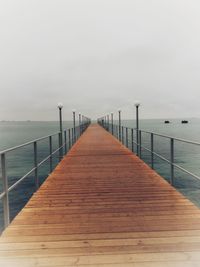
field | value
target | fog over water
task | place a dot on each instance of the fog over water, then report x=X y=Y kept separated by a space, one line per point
x=97 y=56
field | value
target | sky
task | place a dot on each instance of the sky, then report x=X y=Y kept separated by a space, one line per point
x=97 y=56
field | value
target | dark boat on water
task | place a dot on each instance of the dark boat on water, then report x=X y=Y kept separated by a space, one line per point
x=184 y=121
x=167 y=122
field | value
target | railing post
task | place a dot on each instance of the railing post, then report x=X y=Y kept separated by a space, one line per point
x=60 y=146
x=6 y=211
x=72 y=136
x=172 y=160
x=140 y=143
x=120 y=125
x=137 y=140
x=74 y=125
x=65 y=139
x=36 y=165
x=126 y=137
x=50 y=152
x=79 y=128
x=60 y=106
x=132 y=141
x=112 y=123
x=75 y=134
x=122 y=135
x=152 y=150
x=69 y=138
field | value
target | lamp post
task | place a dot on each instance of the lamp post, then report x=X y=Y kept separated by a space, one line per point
x=60 y=106
x=74 y=123
x=137 y=104
x=119 y=111
x=112 y=121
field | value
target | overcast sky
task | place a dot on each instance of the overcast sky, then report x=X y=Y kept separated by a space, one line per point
x=99 y=55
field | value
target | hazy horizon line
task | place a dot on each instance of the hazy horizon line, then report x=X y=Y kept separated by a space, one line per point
x=164 y=118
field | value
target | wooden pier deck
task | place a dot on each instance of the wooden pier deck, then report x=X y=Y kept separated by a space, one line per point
x=103 y=206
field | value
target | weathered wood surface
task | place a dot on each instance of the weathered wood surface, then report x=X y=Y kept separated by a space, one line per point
x=102 y=206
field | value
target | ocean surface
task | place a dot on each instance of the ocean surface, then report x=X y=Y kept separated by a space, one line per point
x=19 y=162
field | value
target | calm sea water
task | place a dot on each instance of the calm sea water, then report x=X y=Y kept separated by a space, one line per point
x=21 y=161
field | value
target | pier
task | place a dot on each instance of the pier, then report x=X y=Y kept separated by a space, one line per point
x=103 y=206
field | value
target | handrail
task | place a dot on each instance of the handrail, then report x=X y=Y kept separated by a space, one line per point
x=118 y=131
x=73 y=135
x=27 y=143
x=175 y=138
x=162 y=135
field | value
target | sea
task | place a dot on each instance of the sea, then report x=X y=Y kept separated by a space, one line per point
x=21 y=161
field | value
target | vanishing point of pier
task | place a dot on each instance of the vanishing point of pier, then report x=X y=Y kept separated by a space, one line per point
x=103 y=206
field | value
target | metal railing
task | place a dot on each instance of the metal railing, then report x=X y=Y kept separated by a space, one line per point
x=66 y=139
x=127 y=136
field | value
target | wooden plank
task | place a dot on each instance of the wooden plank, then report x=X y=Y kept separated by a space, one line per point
x=136 y=260
x=103 y=206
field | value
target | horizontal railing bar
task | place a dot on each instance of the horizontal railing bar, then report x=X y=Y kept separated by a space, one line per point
x=32 y=170
x=171 y=137
x=21 y=179
x=48 y=157
x=78 y=128
x=145 y=148
x=174 y=164
x=28 y=143
x=135 y=142
x=44 y=160
x=2 y=195
x=186 y=171
x=156 y=154
x=166 y=136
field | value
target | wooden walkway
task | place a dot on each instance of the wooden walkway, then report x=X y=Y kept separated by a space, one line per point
x=103 y=206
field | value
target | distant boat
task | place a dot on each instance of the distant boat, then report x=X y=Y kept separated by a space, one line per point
x=184 y=121
x=167 y=121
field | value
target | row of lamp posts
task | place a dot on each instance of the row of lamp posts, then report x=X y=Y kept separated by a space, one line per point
x=82 y=119
x=106 y=120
